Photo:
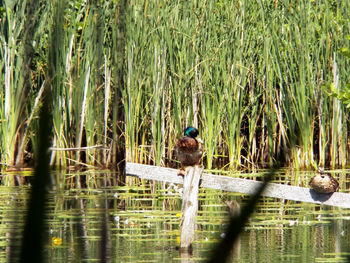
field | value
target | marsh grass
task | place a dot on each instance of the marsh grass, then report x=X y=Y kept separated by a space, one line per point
x=131 y=76
x=250 y=75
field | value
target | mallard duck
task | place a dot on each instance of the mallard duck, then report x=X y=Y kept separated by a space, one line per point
x=188 y=149
x=323 y=183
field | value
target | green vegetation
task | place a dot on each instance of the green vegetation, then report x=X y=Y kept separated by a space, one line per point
x=73 y=57
x=258 y=78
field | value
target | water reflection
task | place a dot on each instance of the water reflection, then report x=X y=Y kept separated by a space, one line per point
x=143 y=223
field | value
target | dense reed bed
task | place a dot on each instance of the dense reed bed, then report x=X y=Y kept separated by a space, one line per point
x=257 y=78
x=77 y=67
x=251 y=75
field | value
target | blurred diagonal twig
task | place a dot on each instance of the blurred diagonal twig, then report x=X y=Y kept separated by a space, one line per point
x=236 y=225
x=33 y=236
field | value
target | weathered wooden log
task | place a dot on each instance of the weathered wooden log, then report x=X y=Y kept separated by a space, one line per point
x=239 y=185
x=189 y=206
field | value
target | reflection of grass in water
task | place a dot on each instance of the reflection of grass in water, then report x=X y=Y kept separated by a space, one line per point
x=164 y=225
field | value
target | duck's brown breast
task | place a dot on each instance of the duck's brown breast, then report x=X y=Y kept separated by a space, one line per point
x=187 y=145
x=187 y=151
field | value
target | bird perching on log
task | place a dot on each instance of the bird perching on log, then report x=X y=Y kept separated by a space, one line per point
x=324 y=183
x=188 y=149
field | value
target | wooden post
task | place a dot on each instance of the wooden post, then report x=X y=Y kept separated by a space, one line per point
x=189 y=206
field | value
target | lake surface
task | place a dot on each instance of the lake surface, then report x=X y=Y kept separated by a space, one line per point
x=143 y=221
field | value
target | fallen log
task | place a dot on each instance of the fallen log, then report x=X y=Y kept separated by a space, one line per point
x=239 y=185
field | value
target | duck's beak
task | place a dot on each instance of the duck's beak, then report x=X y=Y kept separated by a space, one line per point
x=199 y=140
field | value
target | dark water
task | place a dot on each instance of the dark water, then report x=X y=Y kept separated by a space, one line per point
x=143 y=223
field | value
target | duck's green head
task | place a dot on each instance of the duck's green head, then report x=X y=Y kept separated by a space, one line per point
x=191 y=132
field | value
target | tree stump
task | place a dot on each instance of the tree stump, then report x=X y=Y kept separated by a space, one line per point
x=189 y=206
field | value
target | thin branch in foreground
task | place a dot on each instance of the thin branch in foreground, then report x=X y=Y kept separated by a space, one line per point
x=34 y=230
x=223 y=250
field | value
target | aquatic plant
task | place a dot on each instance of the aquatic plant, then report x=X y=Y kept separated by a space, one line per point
x=250 y=74
x=253 y=77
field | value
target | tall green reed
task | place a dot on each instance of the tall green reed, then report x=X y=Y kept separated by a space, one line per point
x=34 y=232
x=19 y=39
x=249 y=75
x=256 y=70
